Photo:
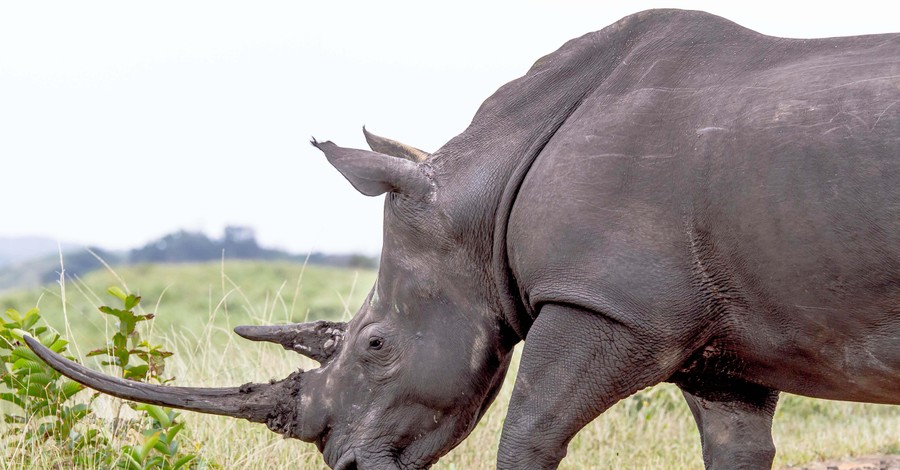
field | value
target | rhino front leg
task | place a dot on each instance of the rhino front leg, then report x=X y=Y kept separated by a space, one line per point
x=575 y=364
x=736 y=427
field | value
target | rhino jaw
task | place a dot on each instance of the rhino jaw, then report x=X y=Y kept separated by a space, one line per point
x=276 y=404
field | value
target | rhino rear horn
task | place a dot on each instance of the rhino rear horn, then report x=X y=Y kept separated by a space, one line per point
x=373 y=173
x=394 y=148
x=318 y=340
x=253 y=402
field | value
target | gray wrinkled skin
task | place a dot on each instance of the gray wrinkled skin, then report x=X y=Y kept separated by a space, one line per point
x=672 y=198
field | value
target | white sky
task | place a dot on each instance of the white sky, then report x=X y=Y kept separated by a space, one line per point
x=123 y=121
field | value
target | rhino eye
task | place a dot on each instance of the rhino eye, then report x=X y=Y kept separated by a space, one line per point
x=376 y=343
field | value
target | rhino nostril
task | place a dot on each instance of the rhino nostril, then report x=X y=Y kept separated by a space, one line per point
x=347 y=466
x=323 y=439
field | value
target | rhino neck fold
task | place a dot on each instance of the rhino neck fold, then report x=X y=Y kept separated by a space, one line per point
x=482 y=169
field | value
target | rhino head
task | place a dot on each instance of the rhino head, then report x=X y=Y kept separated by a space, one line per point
x=410 y=375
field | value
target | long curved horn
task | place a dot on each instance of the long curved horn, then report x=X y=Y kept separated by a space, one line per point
x=318 y=341
x=393 y=148
x=253 y=402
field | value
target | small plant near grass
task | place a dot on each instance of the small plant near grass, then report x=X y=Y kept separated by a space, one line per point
x=42 y=398
x=139 y=360
x=647 y=403
x=160 y=436
x=39 y=393
x=126 y=343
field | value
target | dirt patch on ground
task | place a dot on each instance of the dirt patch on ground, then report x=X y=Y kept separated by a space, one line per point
x=868 y=462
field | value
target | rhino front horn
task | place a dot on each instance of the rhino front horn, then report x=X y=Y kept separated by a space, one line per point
x=253 y=402
x=318 y=340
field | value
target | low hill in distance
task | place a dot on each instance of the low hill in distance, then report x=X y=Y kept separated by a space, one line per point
x=31 y=262
x=15 y=250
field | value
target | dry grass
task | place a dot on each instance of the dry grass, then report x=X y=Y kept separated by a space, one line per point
x=659 y=435
x=653 y=429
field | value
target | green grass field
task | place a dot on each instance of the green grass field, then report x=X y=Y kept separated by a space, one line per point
x=198 y=304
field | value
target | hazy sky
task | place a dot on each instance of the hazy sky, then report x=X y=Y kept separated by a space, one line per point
x=123 y=121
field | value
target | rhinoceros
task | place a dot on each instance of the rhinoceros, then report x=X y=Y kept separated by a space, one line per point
x=673 y=198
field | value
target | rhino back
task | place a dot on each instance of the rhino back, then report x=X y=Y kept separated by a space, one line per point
x=726 y=187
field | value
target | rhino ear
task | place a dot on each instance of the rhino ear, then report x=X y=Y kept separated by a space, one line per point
x=394 y=148
x=373 y=173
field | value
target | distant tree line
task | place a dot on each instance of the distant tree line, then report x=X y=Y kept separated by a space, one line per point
x=182 y=246
x=237 y=242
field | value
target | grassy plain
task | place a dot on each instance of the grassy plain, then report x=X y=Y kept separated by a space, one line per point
x=198 y=304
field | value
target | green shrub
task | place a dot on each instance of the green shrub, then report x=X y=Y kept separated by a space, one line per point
x=42 y=398
x=39 y=393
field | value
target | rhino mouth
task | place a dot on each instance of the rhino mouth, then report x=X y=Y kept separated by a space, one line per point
x=349 y=462
x=346 y=462
x=333 y=454
x=364 y=458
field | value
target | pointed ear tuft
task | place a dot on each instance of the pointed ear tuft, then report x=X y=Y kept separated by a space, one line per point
x=394 y=148
x=373 y=173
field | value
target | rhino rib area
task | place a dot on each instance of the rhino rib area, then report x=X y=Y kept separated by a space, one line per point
x=712 y=276
x=714 y=371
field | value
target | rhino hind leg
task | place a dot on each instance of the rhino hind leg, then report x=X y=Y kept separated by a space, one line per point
x=736 y=427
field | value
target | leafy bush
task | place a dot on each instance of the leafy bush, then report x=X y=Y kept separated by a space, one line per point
x=120 y=353
x=39 y=393
x=42 y=398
